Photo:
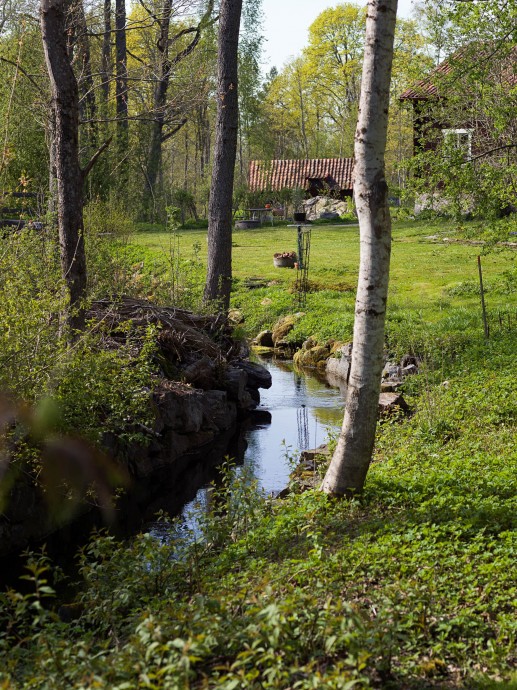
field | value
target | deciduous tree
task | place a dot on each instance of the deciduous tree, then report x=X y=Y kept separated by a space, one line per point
x=351 y=459
x=219 y=269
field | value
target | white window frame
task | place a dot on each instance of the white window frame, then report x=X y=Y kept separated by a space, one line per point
x=449 y=133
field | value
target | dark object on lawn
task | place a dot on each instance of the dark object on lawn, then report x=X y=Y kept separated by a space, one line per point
x=300 y=217
x=248 y=224
x=284 y=259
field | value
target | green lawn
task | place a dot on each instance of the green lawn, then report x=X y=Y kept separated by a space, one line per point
x=429 y=280
x=411 y=587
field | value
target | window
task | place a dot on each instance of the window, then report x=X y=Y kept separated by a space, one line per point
x=459 y=138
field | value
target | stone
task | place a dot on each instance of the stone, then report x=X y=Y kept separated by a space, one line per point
x=258 y=376
x=312 y=358
x=407 y=360
x=410 y=370
x=282 y=328
x=329 y=215
x=318 y=205
x=309 y=343
x=390 y=386
x=339 y=364
x=264 y=339
x=234 y=382
x=200 y=374
x=309 y=456
x=390 y=403
x=235 y=316
x=391 y=370
x=218 y=413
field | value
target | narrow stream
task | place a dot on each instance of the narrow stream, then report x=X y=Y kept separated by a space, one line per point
x=295 y=414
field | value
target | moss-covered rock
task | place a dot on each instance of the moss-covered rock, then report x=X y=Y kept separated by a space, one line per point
x=283 y=327
x=313 y=358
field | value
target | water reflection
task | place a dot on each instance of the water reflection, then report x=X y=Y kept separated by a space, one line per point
x=294 y=414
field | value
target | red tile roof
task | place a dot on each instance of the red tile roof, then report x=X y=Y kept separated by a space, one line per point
x=426 y=88
x=291 y=174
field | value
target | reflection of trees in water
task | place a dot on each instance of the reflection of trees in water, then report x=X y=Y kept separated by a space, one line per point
x=329 y=416
x=298 y=384
x=302 y=420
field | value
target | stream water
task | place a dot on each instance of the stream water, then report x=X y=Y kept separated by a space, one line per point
x=295 y=414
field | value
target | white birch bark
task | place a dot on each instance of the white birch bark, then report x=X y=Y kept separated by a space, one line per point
x=349 y=466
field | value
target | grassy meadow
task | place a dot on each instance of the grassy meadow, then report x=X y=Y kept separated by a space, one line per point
x=434 y=285
x=413 y=586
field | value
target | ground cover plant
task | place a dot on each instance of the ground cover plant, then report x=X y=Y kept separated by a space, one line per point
x=412 y=586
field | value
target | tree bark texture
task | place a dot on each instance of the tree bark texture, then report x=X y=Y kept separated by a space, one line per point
x=219 y=269
x=349 y=466
x=106 y=55
x=160 y=113
x=87 y=102
x=121 y=84
x=65 y=154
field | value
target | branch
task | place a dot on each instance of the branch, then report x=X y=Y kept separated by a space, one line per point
x=149 y=12
x=205 y=22
x=174 y=131
x=14 y=64
x=135 y=57
x=95 y=157
x=181 y=33
x=186 y=51
x=487 y=153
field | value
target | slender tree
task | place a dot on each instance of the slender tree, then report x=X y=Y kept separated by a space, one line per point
x=219 y=270
x=106 y=55
x=65 y=153
x=86 y=84
x=162 y=112
x=121 y=86
x=349 y=465
x=65 y=120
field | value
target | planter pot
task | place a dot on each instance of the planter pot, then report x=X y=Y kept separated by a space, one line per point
x=284 y=261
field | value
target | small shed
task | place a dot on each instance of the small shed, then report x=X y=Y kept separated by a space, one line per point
x=328 y=176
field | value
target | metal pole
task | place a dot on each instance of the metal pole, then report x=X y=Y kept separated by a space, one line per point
x=485 y=324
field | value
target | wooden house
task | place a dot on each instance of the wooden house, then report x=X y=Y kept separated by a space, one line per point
x=448 y=103
x=316 y=176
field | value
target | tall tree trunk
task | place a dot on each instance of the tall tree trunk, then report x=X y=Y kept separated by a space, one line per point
x=166 y=63
x=106 y=55
x=121 y=90
x=219 y=269
x=65 y=154
x=87 y=103
x=349 y=466
x=154 y=158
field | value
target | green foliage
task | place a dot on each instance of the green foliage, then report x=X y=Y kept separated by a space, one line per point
x=32 y=297
x=102 y=390
x=413 y=585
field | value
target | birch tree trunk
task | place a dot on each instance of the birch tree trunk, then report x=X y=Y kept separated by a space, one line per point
x=219 y=269
x=65 y=154
x=349 y=466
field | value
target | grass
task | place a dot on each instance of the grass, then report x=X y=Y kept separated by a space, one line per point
x=429 y=281
x=412 y=587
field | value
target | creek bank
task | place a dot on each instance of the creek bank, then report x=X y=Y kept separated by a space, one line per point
x=203 y=388
x=333 y=359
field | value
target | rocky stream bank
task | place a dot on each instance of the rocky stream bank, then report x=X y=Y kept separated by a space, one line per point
x=205 y=385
